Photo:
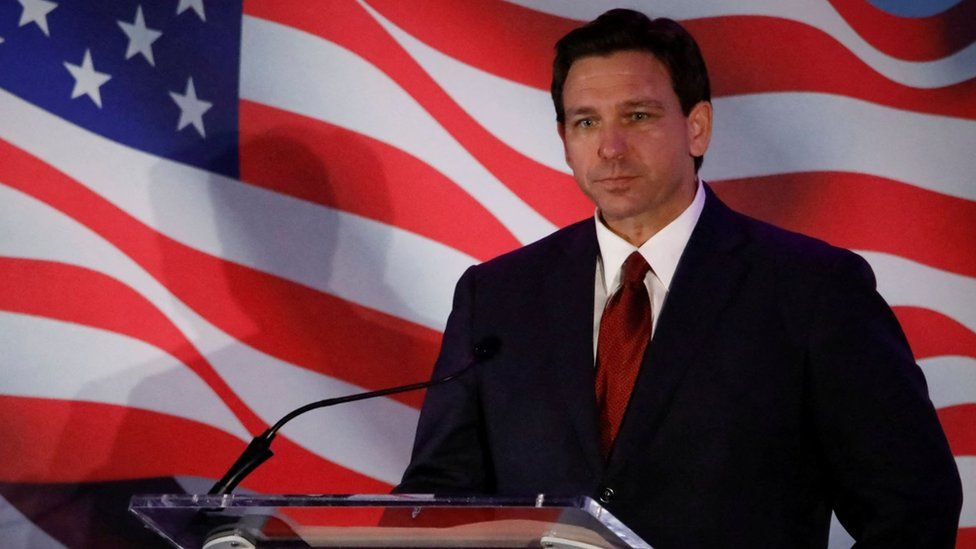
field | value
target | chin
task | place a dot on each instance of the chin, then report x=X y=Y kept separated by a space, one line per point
x=617 y=214
x=618 y=207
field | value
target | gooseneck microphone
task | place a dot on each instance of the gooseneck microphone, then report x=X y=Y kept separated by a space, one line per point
x=259 y=450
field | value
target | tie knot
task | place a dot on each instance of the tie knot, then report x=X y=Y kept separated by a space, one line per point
x=634 y=269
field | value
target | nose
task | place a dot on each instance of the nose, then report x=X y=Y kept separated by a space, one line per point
x=613 y=144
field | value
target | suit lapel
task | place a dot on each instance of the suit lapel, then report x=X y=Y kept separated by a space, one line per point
x=571 y=317
x=704 y=282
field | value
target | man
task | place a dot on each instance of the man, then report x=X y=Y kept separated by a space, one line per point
x=712 y=380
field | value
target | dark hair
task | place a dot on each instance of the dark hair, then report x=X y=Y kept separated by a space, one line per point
x=623 y=30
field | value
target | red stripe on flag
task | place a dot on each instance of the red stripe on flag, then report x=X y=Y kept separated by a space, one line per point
x=864 y=212
x=53 y=440
x=329 y=165
x=553 y=194
x=459 y=29
x=287 y=320
x=912 y=38
x=79 y=295
x=957 y=422
x=797 y=57
x=498 y=37
x=794 y=55
x=50 y=440
x=295 y=470
x=966 y=538
x=933 y=334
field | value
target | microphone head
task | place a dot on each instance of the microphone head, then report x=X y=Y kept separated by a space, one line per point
x=487 y=348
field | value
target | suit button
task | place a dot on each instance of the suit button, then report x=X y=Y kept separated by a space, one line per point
x=606 y=495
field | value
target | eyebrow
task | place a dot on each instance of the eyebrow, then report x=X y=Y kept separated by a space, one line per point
x=644 y=103
x=578 y=111
x=633 y=104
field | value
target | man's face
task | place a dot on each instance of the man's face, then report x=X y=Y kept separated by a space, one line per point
x=628 y=143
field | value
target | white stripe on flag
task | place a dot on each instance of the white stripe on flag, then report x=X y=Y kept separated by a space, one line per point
x=19 y=532
x=48 y=358
x=905 y=282
x=956 y=68
x=373 y=438
x=34 y=230
x=770 y=133
x=967 y=472
x=951 y=379
x=357 y=259
x=521 y=116
x=298 y=72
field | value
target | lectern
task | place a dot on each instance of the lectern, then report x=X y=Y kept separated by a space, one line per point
x=250 y=521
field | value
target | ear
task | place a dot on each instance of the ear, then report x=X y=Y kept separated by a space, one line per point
x=699 y=128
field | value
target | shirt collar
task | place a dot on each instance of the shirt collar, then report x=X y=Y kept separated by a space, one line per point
x=662 y=251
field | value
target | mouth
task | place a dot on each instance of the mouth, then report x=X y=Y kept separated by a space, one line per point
x=615 y=181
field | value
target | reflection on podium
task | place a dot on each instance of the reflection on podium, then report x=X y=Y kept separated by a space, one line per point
x=243 y=522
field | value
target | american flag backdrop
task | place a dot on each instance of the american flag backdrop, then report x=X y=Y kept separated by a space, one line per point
x=213 y=213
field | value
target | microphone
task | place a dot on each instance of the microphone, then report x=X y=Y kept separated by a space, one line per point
x=259 y=450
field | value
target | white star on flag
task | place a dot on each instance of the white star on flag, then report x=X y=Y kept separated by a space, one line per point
x=197 y=6
x=87 y=79
x=191 y=108
x=141 y=37
x=35 y=11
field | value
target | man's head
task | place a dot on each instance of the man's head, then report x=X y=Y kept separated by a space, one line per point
x=622 y=30
x=632 y=103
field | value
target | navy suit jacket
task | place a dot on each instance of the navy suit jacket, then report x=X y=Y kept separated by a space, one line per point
x=778 y=386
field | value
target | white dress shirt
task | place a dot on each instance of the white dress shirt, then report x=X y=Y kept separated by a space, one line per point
x=662 y=252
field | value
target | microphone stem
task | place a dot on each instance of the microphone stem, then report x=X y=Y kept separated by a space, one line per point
x=270 y=433
x=259 y=450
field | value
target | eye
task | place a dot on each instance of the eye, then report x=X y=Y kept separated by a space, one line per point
x=585 y=123
x=639 y=116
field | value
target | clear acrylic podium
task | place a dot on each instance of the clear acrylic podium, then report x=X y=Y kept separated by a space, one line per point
x=246 y=521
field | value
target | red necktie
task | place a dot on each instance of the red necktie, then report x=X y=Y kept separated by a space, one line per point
x=625 y=329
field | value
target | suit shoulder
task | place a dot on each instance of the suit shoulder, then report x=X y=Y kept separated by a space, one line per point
x=801 y=256
x=578 y=239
